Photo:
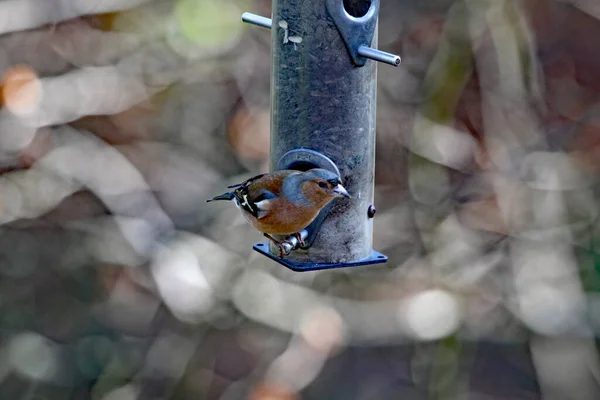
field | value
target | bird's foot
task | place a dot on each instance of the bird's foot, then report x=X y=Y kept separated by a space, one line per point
x=298 y=236
x=282 y=250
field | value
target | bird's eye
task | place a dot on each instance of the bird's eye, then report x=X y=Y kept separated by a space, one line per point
x=323 y=185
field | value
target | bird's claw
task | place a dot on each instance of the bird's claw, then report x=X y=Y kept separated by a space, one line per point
x=298 y=236
x=282 y=250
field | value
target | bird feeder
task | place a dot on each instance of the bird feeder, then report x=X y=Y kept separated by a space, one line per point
x=323 y=107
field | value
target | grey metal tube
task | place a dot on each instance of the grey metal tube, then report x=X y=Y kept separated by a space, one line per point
x=322 y=101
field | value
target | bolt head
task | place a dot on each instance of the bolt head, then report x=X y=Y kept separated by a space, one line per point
x=371 y=211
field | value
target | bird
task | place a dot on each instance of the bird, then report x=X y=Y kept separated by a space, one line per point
x=284 y=202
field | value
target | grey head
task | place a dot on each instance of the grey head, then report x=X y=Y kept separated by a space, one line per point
x=315 y=185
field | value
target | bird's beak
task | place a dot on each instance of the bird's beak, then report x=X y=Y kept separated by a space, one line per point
x=340 y=191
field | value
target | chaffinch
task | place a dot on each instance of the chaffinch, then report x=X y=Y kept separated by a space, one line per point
x=285 y=202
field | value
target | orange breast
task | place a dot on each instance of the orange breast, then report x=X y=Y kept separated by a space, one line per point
x=284 y=218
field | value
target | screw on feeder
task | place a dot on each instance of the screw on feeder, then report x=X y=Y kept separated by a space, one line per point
x=371 y=211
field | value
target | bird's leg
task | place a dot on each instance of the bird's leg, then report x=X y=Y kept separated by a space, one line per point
x=277 y=243
x=298 y=236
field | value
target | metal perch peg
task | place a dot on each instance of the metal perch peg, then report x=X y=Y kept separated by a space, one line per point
x=257 y=20
x=378 y=55
x=292 y=243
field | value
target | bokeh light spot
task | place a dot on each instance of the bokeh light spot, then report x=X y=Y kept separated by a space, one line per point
x=322 y=329
x=209 y=23
x=21 y=89
x=32 y=355
x=433 y=314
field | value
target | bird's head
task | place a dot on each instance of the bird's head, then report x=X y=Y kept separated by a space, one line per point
x=320 y=186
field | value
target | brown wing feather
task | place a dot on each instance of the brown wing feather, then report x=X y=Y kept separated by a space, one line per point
x=272 y=182
x=256 y=189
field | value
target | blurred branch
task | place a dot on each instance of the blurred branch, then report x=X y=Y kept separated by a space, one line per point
x=543 y=265
x=83 y=161
x=19 y=15
x=590 y=7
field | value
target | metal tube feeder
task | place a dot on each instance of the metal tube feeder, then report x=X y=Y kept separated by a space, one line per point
x=323 y=92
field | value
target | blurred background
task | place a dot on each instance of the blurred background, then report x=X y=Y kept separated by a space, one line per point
x=120 y=118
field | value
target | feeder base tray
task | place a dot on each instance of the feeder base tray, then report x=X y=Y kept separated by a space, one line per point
x=375 y=258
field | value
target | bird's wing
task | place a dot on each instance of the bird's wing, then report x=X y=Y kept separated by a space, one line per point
x=255 y=203
x=255 y=195
x=247 y=182
x=263 y=203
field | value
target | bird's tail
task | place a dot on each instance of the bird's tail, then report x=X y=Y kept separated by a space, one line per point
x=224 y=196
